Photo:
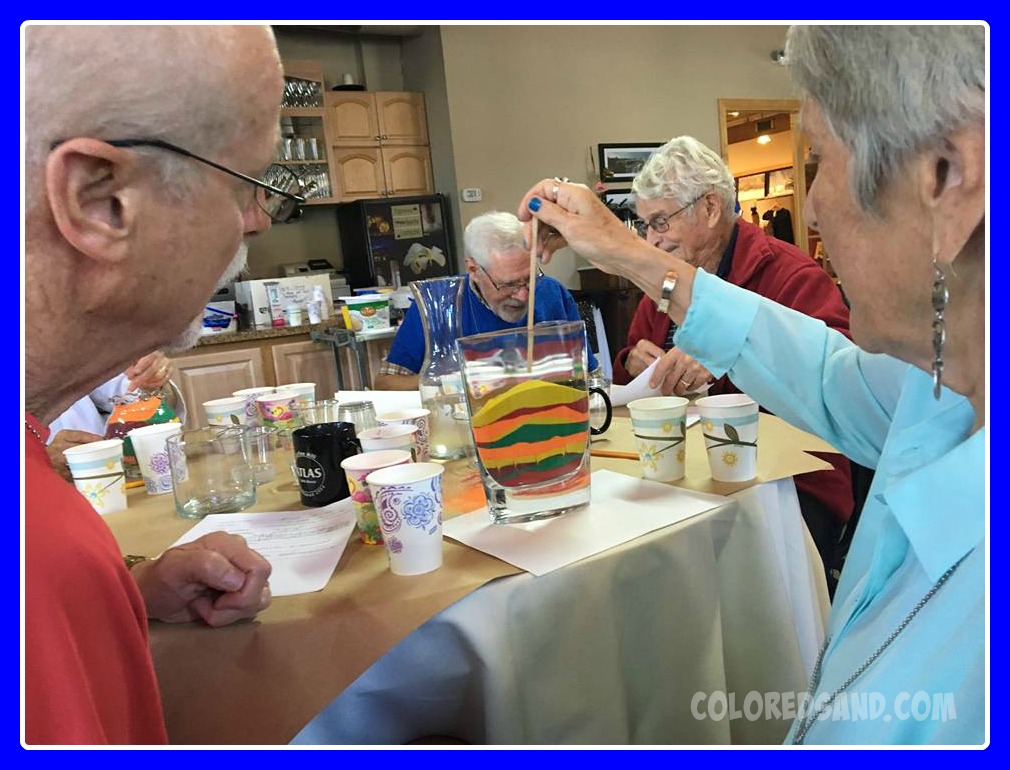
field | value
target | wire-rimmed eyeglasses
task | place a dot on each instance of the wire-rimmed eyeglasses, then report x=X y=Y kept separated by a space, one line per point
x=510 y=287
x=660 y=223
x=278 y=192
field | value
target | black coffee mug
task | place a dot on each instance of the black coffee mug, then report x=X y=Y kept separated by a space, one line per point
x=319 y=450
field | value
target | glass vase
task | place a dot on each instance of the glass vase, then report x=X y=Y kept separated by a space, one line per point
x=439 y=301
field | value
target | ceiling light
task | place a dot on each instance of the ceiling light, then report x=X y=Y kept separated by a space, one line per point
x=764 y=139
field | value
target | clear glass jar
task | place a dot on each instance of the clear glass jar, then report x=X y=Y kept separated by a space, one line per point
x=439 y=301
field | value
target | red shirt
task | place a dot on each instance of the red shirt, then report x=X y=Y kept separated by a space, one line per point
x=788 y=275
x=89 y=677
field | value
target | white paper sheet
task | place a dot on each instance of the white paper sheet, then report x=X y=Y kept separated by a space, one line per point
x=622 y=508
x=622 y=395
x=384 y=400
x=303 y=547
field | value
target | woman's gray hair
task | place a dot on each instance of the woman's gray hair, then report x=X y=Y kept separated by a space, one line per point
x=684 y=169
x=888 y=92
x=492 y=233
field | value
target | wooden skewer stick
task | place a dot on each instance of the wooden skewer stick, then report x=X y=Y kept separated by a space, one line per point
x=532 y=296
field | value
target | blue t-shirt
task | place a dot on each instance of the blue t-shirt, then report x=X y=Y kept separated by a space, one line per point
x=553 y=303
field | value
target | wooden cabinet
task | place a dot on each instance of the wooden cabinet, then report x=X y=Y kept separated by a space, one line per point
x=378 y=144
x=218 y=370
x=203 y=374
x=303 y=147
x=305 y=361
x=376 y=118
x=380 y=172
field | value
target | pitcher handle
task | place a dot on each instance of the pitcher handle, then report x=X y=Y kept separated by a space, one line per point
x=610 y=412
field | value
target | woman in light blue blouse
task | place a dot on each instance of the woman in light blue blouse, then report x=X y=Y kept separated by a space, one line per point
x=896 y=119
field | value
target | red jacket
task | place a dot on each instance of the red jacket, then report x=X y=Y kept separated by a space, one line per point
x=788 y=275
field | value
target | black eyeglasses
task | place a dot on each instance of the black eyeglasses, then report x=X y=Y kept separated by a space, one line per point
x=280 y=198
x=511 y=287
x=661 y=222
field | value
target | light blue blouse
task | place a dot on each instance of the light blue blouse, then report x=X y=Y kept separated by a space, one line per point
x=925 y=513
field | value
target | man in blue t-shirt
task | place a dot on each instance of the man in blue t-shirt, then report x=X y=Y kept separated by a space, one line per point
x=494 y=298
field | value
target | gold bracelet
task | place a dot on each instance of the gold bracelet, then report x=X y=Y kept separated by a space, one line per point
x=132 y=560
x=669 y=284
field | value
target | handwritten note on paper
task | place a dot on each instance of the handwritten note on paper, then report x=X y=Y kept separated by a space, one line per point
x=303 y=547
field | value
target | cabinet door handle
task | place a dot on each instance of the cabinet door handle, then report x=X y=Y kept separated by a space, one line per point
x=377 y=137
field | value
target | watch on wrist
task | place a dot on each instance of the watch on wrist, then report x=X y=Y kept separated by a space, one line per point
x=132 y=560
x=669 y=284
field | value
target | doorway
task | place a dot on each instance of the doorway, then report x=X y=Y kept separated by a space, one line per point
x=761 y=143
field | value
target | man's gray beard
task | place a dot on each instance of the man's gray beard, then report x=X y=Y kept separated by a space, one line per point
x=191 y=334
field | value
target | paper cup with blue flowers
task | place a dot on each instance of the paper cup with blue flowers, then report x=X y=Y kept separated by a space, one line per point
x=659 y=425
x=97 y=469
x=730 y=425
x=408 y=501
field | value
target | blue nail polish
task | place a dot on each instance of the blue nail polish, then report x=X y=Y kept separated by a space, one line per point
x=534 y=204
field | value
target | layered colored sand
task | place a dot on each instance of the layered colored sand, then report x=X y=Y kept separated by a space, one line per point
x=532 y=433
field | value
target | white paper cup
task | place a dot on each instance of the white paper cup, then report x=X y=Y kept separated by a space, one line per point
x=250 y=395
x=408 y=501
x=730 y=425
x=152 y=457
x=660 y=428
x=357 y=469
x=98 y=474
x=278 y=409
x=306 y=392
x=397 y=436
x=221 y=411
x=416 y=417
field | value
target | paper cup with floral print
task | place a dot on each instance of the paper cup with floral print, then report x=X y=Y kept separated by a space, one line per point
x=416 y=417
x=730 y=425
x=408 y=500
x=357 y=468
x=98 y=474
x=226 y=411
x=250 y=395
x=306 y=392
x=152 y=456
x=395 y=436
x=660 y=424
x=278 y=409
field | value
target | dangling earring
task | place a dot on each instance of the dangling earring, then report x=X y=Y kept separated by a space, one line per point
x=940 y=298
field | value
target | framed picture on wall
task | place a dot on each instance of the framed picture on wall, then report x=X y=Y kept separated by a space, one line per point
x=620 y=203
x=751 y=187
x=780 y=181
x=620 y=162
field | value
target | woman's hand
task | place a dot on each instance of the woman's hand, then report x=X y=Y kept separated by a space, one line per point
x=572 y=215
x=151 y=372
x=65 y=439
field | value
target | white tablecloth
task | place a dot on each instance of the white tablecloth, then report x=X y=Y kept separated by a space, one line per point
x=612 y=649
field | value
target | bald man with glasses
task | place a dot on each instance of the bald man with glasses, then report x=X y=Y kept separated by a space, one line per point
x=495 y=297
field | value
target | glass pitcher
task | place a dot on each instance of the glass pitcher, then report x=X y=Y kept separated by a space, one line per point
x=439 y=301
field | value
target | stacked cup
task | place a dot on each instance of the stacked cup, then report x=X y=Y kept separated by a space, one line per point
x=98 y=474
x=152 y=455
x=395 y=436
x=277 y=409
x=226 y=411
x=416 y=417
x=250 y=395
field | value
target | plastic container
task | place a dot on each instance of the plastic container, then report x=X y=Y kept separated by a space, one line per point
x=368 y=311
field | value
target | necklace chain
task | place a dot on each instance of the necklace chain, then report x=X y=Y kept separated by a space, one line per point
x=807 y=722
x=31 y=429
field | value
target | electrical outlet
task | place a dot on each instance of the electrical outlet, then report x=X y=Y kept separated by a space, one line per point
x=472 y=194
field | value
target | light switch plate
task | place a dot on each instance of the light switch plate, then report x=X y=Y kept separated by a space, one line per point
x=472 y=194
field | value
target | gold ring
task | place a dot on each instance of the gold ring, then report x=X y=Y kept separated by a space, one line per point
x=685 y=382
